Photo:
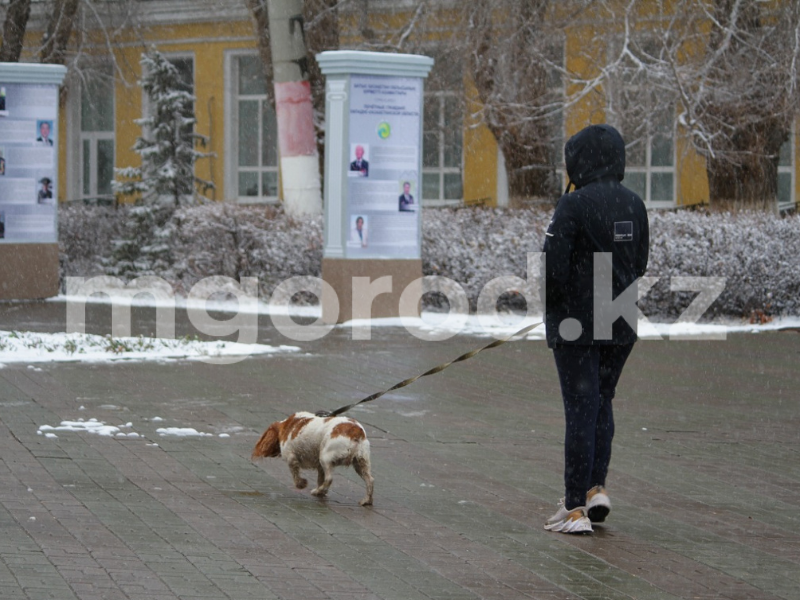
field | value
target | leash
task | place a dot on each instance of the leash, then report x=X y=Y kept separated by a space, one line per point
x=433 y=371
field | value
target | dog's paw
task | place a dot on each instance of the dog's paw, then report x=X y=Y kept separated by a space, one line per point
x=301 y=484
x=318 y=492
x=366 y=501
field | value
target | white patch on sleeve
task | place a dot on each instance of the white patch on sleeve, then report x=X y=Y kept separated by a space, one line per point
x=623 y=231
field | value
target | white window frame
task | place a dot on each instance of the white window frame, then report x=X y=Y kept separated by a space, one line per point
x=75 y=139
x=791 y=170
x=93 y=137
x=232 y=167
x=442 y=170
x=648 y=169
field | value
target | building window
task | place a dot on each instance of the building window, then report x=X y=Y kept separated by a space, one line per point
x=647 y=128
x=442 y=149
x=650 y=164
x=255 y=129
x=786 y=181
x=97 y=136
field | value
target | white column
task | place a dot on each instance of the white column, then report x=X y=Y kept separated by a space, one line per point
x=335 y=168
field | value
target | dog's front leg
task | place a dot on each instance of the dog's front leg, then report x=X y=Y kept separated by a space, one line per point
x=294 y=467
x=320 y=476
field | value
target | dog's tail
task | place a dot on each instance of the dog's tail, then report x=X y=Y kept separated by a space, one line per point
x=269 y=445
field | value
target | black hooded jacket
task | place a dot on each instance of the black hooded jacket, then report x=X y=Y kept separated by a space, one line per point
x=600 y=216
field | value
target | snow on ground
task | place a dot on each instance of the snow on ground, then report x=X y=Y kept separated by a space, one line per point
x=434 y=325
x=29 y=347
x=40 y=347
x=184 y=432
x=100 y=428
x=90 y=426
x=256 y=306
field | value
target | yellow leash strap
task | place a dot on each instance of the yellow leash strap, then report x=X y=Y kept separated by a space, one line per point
x=433 y=371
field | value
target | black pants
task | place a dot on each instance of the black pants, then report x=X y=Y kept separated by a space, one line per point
x=589 y=376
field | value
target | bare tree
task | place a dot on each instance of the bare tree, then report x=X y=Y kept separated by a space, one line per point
x=727 y=70
x=740 y=96
x=260 y=14
x=59 y=30
x=514 y=52
x=18 y=13
x=67 y=24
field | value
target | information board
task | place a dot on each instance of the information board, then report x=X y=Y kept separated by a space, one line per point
x=28 y=169
x=384 y=140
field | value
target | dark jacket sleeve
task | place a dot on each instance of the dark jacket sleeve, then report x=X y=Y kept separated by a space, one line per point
x=643 y=254
x=560 y=242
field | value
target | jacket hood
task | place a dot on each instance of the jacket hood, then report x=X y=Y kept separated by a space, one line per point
x=594 y=152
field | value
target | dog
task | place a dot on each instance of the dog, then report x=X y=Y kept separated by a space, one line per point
x=307 y=441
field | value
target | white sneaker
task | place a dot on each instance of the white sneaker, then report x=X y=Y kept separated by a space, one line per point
x=597 y=504
x=569 y=521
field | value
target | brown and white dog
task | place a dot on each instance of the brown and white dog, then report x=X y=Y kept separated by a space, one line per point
x=306 y=441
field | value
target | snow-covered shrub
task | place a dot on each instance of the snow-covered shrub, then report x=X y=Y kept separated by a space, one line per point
x=475 y=245
x=757 y=253
x=244 y=241
x=144 y=244
x=85 y=235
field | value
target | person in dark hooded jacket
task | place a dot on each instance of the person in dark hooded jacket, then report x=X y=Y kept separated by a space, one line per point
x=595 y=250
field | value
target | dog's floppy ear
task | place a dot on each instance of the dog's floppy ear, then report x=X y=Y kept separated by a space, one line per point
x=269 y=445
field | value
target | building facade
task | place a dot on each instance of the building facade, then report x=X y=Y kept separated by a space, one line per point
x=214 y=46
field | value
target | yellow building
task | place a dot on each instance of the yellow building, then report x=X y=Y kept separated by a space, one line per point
x=213 y=44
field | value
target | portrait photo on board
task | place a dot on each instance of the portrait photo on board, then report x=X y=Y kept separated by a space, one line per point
x=44 y=195
x=406 y=201
x=359 y=165
x=358 y=231
x=44 y=131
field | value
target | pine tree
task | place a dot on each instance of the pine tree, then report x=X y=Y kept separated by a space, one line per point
x=166 y=179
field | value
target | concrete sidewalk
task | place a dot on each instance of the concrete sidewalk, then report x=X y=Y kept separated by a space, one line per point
x=705 y=477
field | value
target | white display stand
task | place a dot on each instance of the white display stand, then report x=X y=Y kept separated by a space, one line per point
x=29 y=94
x=373 y=175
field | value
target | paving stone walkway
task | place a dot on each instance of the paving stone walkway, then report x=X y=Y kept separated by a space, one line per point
x=705 y=476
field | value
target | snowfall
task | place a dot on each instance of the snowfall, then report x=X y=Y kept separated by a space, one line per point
x=36 y=348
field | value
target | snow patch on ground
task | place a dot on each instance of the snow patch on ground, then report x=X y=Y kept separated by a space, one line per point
x=97 y=427
x=90 y=426
x=127 y=298
x=505 y=325
x=29 y=347
x=182 y=432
